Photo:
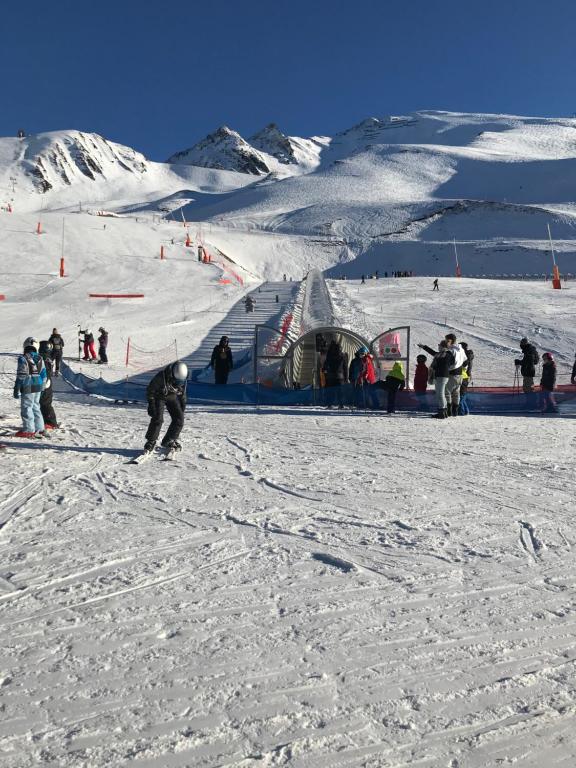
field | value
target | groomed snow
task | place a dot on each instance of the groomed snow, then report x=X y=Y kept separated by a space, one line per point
x=301 y=588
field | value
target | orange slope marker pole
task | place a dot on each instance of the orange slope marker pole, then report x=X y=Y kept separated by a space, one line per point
x=555 y=271
x=458 y=270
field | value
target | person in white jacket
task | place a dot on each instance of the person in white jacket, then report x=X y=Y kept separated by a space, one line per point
x=455 y=374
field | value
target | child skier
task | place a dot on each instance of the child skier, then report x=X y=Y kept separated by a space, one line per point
x=548 y=384
x=57 y=350
x=48 y=414
x=421 y=375
x=30 y=378
x=463 y=407
x=89 y=351
x=167 y=389
x=102 y=346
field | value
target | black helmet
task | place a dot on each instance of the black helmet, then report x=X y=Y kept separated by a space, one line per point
x=523 y=341
x=224 y=340
x=179 y=372
x=45 y=347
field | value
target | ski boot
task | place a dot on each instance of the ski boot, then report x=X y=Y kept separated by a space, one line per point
x=149 y=446
x=440 y=415
x=23 y=433
x=172 y=445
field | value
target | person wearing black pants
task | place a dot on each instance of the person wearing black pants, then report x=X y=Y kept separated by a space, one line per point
x=221 y=361
x=57 y=343
x=103 y=346
x=48 y=413
x=167 y=390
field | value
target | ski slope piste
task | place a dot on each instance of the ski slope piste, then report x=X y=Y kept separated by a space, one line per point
x=285 y=363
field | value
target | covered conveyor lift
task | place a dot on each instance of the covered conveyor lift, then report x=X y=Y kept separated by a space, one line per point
x=297 y=363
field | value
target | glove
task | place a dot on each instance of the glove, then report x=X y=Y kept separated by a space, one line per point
x=16 y=393
x=47 y=384
x=151 y=408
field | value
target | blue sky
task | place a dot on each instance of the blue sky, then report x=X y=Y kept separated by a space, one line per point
x=159 y=76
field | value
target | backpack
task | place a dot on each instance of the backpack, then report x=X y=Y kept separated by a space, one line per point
x=35 y=364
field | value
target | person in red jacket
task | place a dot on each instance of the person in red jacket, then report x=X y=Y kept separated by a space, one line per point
x=421 y=375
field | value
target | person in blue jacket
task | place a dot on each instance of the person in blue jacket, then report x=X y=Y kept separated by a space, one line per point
x=30 y=380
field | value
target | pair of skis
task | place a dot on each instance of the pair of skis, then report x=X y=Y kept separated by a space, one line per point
x=166 y=455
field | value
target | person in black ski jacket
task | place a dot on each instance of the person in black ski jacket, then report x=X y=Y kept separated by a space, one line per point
x=527 y=364
x=167 y=390
x=439 y=373
x=221 y=361
x=50 y=421
x=57 y=350
x=102 y=346
x=548 y=384
x=336 y=373
x=573 y=377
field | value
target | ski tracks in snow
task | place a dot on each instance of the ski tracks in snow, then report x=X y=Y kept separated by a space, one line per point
x=307 y=594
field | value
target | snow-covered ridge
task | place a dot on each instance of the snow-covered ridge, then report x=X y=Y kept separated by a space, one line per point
x=267 y=151
x=51 y=159
x=224 y=149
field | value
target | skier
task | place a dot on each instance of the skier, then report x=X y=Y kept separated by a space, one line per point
x=548 y=384
x=527 y=364
x=435 y=285
x=48 y=413
x=336 y=373
x=573 y=376
x=362 y=376
x=57 y=350
x=30 y=378
x=249 y=303
x=221 y=361
x=89 y=351
x=167 y=389
x=102 y=346
x=463 y=407
x=394 y=382
x=438 y=375
x=363 y=279
x=455 y=379
x=421 y=375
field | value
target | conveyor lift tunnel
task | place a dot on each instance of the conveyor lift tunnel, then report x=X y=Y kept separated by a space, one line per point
x=297 y=364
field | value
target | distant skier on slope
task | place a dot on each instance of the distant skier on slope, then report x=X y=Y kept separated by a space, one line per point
x=167 y=390
x=435 y=286
x=30 y=378
x=221 y=361
x=48 y=413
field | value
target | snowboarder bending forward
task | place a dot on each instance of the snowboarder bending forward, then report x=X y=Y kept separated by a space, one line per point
x=167 y=389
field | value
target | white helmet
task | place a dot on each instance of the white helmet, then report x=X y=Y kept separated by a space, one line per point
x=31 y=342
x=179 y=372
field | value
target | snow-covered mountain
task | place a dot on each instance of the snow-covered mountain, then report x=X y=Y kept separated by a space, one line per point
x=268 y=151
x=62 y=158
x=393 y=190
x=226 y=150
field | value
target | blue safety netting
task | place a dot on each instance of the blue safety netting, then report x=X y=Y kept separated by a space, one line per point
x=500 y=402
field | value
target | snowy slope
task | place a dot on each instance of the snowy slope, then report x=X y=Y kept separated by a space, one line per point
x=392 y=191
x=64 y=169
x=378 y=178
x=301 y=588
